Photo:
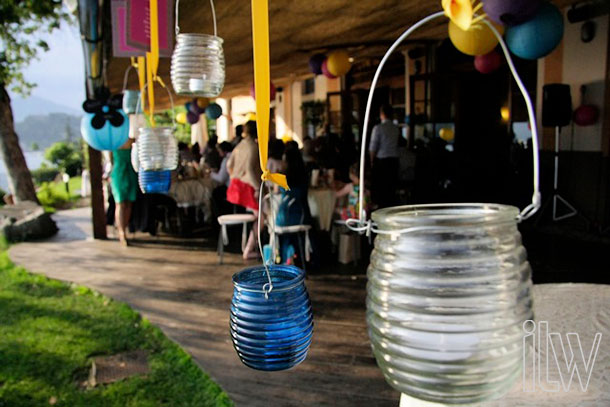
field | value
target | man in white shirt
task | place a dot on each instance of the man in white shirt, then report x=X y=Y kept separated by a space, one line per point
x=384 y=153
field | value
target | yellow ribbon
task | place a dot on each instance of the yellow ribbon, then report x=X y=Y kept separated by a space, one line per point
x=262 y=84
x=152 y=57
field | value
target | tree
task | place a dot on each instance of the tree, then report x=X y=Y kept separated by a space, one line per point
x=18 y=21
x=66 y=156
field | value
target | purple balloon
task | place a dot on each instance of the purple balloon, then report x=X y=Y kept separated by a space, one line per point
x=192 y=117
x=511 y=12
x=315 y=63
x=325 y=70
x=194 y=107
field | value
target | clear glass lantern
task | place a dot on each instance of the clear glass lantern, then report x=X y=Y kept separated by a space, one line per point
x=447 y=300
x=198 y=65
x=157 y=149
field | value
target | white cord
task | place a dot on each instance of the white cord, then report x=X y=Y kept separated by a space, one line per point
x=267 y=287
x=369 y=102
x=213 y=17
x=361 y=224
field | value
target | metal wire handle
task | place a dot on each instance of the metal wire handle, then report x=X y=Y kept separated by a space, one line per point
x=361 y=224
x=171 y=101
x=126 y=77
x=213 y=17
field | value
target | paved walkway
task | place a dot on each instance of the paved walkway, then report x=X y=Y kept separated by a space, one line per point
x=183 y=290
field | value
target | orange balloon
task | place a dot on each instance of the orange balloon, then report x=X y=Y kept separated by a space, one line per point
x=478 y=40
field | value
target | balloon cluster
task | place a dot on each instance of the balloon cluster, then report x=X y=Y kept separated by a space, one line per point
x=336 y=64
x=532 y=29
x=197 y=107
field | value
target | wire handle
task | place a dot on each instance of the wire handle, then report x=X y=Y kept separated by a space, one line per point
x=171 y=100
x=362 y=224
x=126 y=77
x=213 y=17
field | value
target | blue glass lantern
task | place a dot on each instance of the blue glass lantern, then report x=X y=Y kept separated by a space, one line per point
x=155 y=182
x=271 y=331
x=104 y=126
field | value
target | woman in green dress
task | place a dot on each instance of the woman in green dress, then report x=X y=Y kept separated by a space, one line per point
x=124 y=182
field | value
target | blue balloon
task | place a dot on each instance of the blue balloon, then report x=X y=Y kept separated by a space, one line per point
x=537 y=37
x=213 y=111
x=108 y=137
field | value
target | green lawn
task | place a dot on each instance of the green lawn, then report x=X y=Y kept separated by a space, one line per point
x=49 y=331
x=53 y=195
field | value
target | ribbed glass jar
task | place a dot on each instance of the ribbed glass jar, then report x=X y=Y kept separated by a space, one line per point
x=446 y=301
x=157 y=149
x=271 y=333
x=155 y=182
x=198 y=65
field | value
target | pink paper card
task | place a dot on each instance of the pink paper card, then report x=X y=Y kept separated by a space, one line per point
x=120 y=48
x=138 y=25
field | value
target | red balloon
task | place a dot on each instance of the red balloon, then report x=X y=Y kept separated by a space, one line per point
x=489 y=62
x=586 y=115
x=272 y=92
x=325 y=70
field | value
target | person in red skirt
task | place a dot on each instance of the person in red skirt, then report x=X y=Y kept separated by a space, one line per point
x=244 y=169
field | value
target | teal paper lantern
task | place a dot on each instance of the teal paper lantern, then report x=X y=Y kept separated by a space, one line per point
x=537 y=37
x=108 y=136
x=213 y=111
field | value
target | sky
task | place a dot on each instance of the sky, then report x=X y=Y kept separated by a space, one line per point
x=59 y=73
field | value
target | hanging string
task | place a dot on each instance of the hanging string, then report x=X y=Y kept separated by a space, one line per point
x=267 y=287
x=362 y=224
x=169 y=94
x=213 y=17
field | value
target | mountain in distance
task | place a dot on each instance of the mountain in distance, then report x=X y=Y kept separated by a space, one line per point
x=44 y=130
x=34 y=105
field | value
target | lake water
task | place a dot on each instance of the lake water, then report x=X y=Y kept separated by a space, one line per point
x=34 y=160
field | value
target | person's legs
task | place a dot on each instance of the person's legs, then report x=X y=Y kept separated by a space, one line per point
x=123 y=213
x=252 y=251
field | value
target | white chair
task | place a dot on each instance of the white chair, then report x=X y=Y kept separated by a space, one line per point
x=276 y=231
x=230 y=220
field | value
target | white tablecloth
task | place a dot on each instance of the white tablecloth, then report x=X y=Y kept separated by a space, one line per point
x=322 y=206
x=578 y=308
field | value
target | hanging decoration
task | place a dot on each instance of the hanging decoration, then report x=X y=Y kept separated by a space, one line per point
x=105 y=126
x=271 y=320
x=585 y=114
x=488 y=63
x=513 y=12
x=213 y=111
x=198 y=62
x=453 y=336
x=181 y=118
x=202 y=103
x=477 y=40
x=539 y=36
x=192 y=117
x=315 y=63
x=446 y=134
x=325 y=70
x=271 y=332
x=338 y=63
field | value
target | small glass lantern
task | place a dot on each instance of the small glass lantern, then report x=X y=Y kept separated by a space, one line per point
x=271 y=330
x=198 y=63
x=157 y=149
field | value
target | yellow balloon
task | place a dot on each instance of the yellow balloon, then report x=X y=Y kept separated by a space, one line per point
x=338 y=63
x=251 y=117
x=446 y=134
x=181 y=118
x=478 y=40
x=202 y=103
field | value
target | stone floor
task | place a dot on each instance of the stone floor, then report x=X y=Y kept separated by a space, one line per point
x=181 y=288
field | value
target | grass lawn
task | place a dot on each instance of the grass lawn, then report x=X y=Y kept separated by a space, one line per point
x=53 y=195
x=49 y=331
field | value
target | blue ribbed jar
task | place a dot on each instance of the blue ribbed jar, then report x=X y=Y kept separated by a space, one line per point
x=271 y=333
x=155 y=182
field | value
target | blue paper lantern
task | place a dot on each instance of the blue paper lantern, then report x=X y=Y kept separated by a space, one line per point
x=315 y=63
x=155 y=182
x=537 y=37
x=108 y=137
x=271 y=332
x=213 y=111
